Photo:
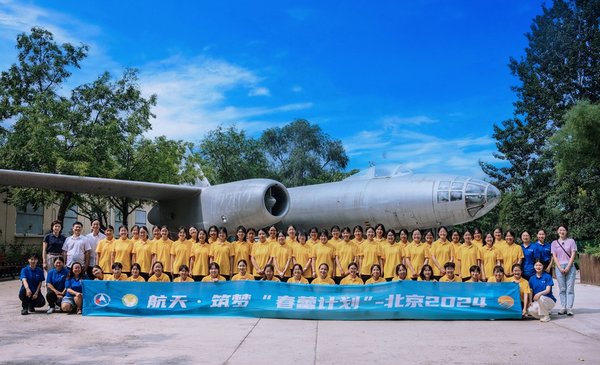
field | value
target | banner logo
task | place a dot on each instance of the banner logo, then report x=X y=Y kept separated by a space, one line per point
x=102 y=299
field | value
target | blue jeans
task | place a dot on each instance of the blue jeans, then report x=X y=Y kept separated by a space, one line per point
x=566 y=285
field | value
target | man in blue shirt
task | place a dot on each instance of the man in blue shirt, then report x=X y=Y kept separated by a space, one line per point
x=32 y=278
x=541 y=287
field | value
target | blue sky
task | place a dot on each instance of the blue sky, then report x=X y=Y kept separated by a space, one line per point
x=417 y=83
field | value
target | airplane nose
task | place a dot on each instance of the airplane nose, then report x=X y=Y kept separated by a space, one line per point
x=492 y=196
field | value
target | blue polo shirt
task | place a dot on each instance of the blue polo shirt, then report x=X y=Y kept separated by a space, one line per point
x=544 y=251
x=55 y=244
x=57 y=278
x=74 y=284
x=34 y=277
x=531 y=253
x=539 y=284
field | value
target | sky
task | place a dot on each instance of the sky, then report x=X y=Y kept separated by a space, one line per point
x=413 y=83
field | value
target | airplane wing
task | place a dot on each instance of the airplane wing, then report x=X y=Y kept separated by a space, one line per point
x=94 y=185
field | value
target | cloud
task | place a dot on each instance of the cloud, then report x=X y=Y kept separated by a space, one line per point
x=394 y=121
x=193 y=96
x=420 y=151
x=259 y=91
x=296 y=89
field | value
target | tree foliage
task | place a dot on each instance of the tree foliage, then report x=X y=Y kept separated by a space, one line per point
x=96 y=130
x=560 y=67
x=300 y=153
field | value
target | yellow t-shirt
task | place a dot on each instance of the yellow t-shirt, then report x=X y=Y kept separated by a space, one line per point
x=467 y=256
x=208 y=279
x=445 y=279
x=222 y=252
x=346 y=252
x=392 y=256
x=162 y=250
x=500 y=244
x=261 y=251
x=418 y=254
x=397 y=278
x=110 y=277
x=242 y=251
x=478 y=243
x=275 y=279
x=182 y=251
x=511 y=254
x=489 y=258
x=524 y=288
x=291 y=242
x=327 y=280
x=293 y=280
x=139 y=279
x=335 y=242
x=443 y=252
x=122 y=250
x=163 y=278
x=240 y=277
x=187 y=280
x=303 y=253
x=104 y=251
x=349 y=280
x=200 y=253
x=373 y=281
x=324 y=253
x=282 y=255
x=370 y=252
x=143 y=255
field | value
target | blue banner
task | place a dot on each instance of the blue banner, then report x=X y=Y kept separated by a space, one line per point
x=393 y=300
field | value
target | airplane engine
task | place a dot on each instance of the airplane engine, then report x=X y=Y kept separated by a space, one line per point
x=252 y=203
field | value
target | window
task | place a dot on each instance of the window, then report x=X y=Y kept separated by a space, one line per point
x=140 y=217
x=70 y=218
x=30 y=221
x=118 y=220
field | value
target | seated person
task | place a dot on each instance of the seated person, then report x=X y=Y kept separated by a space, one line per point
x=475 y=272
x=55 y=285
x=32 y=278
x=449 y=268
x=73 y=300
x=184 y=275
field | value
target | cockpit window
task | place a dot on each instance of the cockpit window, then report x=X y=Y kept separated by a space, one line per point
x=443 y=196
x=455 y=195
x=444 y=185
x=457 y=186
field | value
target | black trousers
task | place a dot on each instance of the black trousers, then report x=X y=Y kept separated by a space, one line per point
x=28 y=303
x=52 y=299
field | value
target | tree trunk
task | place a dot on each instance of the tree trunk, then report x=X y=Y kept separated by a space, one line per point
x=64 y=205
x=124 y=208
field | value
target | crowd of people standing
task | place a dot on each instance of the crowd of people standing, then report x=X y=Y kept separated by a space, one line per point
x=343 y=256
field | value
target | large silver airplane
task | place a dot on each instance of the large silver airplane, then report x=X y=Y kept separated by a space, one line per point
x=380 y=194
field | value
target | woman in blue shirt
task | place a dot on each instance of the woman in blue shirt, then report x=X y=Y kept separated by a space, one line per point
x=32 y=278
x=55 y=284
x=73 y=299
x=529 y=255
x=541 y=287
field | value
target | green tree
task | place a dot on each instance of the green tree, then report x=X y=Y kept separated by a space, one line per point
x=229 y=155
x=300 y=153
x=560 y=66
x=576 y=148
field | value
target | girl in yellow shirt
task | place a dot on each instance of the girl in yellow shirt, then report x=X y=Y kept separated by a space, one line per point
x=370 y=254
x=251 y=235
x=214 y=274
x=104 y=249
x=352 y=278
x=260 y=254
x=117 y=274
x=302 y=255
x=478 y=237
x=213 y=232
x=142 y=253
x=184 y=275
x=242 y=272
x=375 y=275
x=200 y=256
x=323 y=276
x=297 y=277
x=269 y=271
x=401 y=273
x=380 y=234
x=467 y=256
x=393 y=254
x=358 y=236
x=490 y=258
x=181 y=249
x=242 y=249
x=122 y=249
x=159 y=275
x=291 y=239
x=162 y=250
x=135 y=273
x=346 y=253
x=335 y=237
x=426 y=273
x=418 y=255
x=499 y=242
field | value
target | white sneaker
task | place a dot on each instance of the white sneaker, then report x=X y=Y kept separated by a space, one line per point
x=569 y=312
x=545 y=319
x=563 y=311
x=50 y=310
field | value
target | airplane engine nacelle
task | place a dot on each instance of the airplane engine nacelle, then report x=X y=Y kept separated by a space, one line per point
x=251 y=203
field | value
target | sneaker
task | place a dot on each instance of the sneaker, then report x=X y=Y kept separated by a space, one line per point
x=31 y=310
x=50 y=310
x=545 y=319
x=24 y=312
x=570 y=312
x=562 y=311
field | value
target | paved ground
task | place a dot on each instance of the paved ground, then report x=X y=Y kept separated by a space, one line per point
x=71 y=339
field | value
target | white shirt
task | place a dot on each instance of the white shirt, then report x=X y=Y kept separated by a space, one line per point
x=75 y=248
x=93 y=244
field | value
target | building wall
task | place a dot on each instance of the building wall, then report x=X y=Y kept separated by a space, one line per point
x=9 y=222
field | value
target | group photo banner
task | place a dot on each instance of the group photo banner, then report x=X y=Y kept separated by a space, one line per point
x=265 y=299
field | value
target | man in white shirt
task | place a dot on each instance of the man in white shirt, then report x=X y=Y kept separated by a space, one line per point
x=77 y=248
x=94 y=237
